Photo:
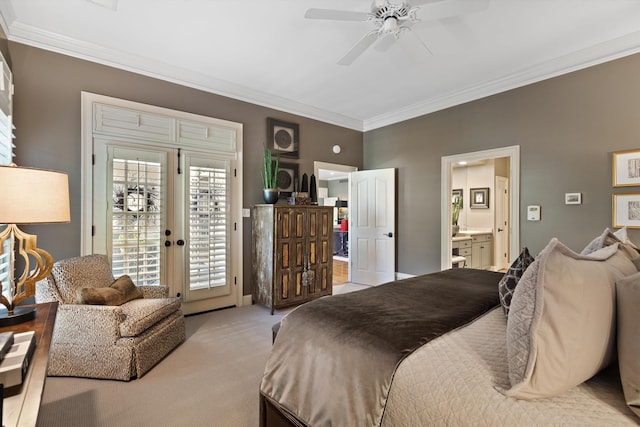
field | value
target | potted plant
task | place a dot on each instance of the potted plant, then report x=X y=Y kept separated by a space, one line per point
x=456 y=205
x=269 y=176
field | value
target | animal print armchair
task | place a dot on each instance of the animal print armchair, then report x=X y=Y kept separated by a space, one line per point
x=118 y=342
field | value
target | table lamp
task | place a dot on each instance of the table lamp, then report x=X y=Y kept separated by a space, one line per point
x=27 y=196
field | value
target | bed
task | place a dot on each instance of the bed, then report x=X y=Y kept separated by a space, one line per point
x=332 y=364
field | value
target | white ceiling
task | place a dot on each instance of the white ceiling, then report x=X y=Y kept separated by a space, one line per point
x=267 y=53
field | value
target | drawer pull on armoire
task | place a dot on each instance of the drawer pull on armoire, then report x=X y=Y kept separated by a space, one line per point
x=292 y=254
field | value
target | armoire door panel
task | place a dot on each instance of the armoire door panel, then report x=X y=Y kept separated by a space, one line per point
x=284 y=286
x=312 y=252
x=324 y=274
x=299 y=283
x=313 y=224
x=300 y=255
x=284 y=225
x=284 y=257
x=299 y=224
x=324 y=251
x=326 y=221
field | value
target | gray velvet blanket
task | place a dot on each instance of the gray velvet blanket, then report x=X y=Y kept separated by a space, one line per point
x=334 y=358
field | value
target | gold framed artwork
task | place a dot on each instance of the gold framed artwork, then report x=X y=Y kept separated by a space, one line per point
x=283 y=137
x=626 y=210
x=626 y=168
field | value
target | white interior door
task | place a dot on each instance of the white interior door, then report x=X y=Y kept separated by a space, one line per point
x=372 y=222
x=501 y=251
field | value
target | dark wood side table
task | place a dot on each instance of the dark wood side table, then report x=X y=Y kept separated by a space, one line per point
x=22 y=403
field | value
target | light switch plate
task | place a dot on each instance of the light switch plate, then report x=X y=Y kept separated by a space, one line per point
x=246 y=213
x=533 y=213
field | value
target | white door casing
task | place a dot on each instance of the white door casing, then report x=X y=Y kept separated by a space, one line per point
x=187 y=145
x=501 y=227
x=513 y=153
x=372 y=228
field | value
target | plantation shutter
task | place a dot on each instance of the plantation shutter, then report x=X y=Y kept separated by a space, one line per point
x=136 y=218
x=208 y=190
x=6 y=155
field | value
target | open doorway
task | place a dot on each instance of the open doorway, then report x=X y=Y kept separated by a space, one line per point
x=482 y=201
x=333 y=190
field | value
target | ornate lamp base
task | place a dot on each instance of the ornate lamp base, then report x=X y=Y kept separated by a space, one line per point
x=20 y=315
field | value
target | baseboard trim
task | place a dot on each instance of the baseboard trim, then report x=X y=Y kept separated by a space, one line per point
x=247 y=300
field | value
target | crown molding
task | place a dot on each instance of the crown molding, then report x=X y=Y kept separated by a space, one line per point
x=53 y=42
x=594 y=55
x=603 y=52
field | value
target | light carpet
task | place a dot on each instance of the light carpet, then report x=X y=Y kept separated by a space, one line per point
x=212 y=379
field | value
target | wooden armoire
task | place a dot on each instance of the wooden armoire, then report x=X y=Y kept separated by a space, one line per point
x=292 y=255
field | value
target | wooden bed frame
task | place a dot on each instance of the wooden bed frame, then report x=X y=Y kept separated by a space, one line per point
x=272 y=416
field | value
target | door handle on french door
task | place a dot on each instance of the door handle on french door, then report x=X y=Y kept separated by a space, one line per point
x=180 y=242
x=389 y=234
x=499 y=229
x=167 y=243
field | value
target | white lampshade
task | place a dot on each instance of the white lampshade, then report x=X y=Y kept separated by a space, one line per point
x=31 y=196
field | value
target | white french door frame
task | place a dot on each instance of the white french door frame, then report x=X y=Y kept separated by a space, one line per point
x=87 y=183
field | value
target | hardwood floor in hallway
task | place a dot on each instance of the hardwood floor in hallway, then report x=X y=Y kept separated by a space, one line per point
x=340 y=271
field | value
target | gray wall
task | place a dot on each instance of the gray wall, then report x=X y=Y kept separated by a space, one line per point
x=567 y=127
x=47 y=118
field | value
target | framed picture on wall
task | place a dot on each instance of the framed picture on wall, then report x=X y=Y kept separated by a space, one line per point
x=287 y=177
x=626 y=210
x=457 y=194
x=572 y=198
x=479 y=198
x=283 y=137
x=626 y=168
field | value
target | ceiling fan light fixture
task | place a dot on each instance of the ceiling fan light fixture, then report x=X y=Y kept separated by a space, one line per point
x=390 y=26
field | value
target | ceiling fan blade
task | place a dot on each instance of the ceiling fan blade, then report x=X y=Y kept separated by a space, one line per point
x=421 y=2
x=415 y=46
x=359 y=48
x=336 y=15
x=385 y=43
x=449 y=8
x=459 y=31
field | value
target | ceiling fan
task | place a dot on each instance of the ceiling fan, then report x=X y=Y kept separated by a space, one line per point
x=393 y=19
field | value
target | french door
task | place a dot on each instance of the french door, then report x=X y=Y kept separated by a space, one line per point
x=163 y=215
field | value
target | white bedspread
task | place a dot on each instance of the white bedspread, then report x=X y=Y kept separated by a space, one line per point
x=452 y=382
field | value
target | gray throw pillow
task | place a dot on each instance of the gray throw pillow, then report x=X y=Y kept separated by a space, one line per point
x=509 y=281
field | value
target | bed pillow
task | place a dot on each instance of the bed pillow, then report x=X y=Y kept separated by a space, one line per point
x=561 y=324
x=121 y=290
x=628 y=297
x=608 y=237
x=509 y=281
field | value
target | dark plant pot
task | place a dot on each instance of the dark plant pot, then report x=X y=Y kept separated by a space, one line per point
x=270 y=195
x=454 y=230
